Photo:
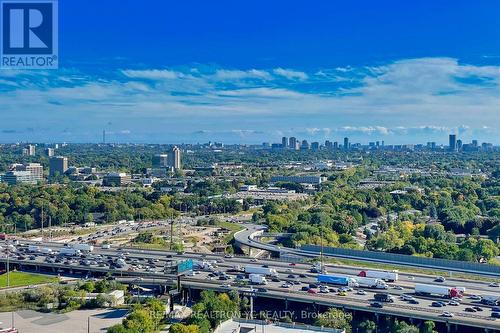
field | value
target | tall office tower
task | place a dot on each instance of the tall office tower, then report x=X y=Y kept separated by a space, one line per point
x=453 y=142
x=49 y=152
x=160 y=161
x=474 y=143
x=174 y=158
x=328 y=144
x=459 y=144
x=335 y=145
x=58 y=165
x=346 y=143
x=304 y=145
x=293 y=142
x=284 y=142
x=315 y=145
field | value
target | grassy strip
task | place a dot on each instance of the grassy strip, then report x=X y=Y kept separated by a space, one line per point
x=233 y=227
x=149 y=246
x=408 y=269
x=20 y=279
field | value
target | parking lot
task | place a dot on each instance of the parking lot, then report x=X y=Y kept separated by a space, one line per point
x=74 y=322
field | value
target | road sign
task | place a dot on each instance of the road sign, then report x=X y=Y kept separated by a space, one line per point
x=184 y=266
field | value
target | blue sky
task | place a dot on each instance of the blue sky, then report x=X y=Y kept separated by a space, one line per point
x=247 y=72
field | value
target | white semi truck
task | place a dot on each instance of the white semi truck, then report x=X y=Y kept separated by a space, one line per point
x=257 y=279
x=83 y=247
x=440 y=291
x=69 y=251
x=365 y=282
x=266 y=271
x=390 y=276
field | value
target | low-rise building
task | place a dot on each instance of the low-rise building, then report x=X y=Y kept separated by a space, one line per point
x=116 y=179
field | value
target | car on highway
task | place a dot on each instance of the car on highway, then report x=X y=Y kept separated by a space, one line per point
x=406 y=297
x=494 y=284
x=397 y=288
x=341 y=293
x=447 y=314
x=440 y=279
x=291 y=276
x=475 y=297
x=275 y=279
x=453 y=303
x=495 y=309
x=312 y=291
x=302 y=276
x=469 y=309
x=361 y=292
x=313 y=285
x=495 y=314
x=413 y=301
x=262 y=290
x=286 y=285
x=437 y=304
x=477 y=308
x=304 y=288
x=292 y=264
x=376 y=305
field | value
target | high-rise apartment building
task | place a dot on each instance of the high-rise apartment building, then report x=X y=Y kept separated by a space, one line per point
x=58 y=165
x=293 y=142
x=453 y=142
x=174 y=158
x=346 y=143
x=29 y=150
x=49 y=152
x=284 y=142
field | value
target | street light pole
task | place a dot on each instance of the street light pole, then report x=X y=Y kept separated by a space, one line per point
x=8 y=268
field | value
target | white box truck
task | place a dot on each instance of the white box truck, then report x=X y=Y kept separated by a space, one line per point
x=390 y=276
x=364 y=282
x=266 y=271
x=83 y=247
x=33 y=248
x=257 y=279
x=69 y=251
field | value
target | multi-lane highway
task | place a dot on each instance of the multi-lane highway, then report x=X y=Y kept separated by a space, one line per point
x=159 y=266
x=247 y=238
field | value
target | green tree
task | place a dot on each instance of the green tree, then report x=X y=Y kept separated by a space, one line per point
x=335 y=318
x=367 y=326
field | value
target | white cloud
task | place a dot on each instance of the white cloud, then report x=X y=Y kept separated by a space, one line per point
x=290 y=74
x=413 y=97
x=224 y=74
x=152 y=74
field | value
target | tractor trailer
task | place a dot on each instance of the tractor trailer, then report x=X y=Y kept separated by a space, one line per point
x=337 y=279
x=364 y=282
x=390 y=276
x=440 y=291
x=266 y=271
